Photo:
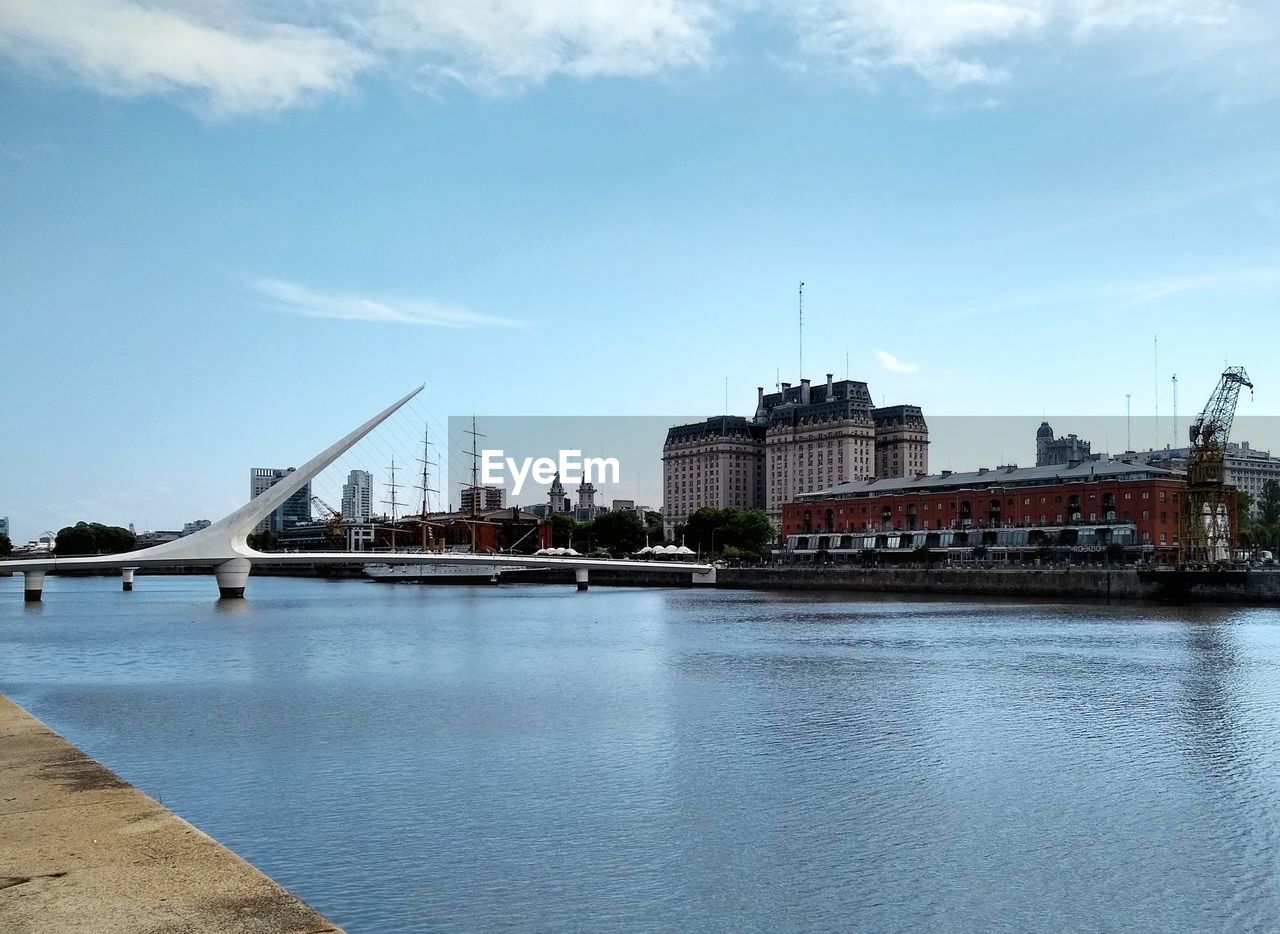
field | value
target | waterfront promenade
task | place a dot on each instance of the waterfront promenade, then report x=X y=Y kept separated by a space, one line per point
x=85 y=851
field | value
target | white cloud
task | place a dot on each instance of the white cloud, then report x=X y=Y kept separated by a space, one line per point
x=1228 y=44
x=893 y=364
x=297 y=299
x=504 y=45
x=233 y=65
x=239 y=56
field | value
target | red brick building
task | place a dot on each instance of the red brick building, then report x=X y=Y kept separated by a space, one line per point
x=1097 y=503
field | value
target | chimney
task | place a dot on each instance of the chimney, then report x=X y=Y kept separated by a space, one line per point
x=983 y=470
x=804 y=392
x=829 y=392
x=785 y=387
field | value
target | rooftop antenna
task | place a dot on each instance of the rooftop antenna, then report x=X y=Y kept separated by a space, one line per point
x=1156 y=382
x=802 y=330
x=1128 y=425
x=1175 y=410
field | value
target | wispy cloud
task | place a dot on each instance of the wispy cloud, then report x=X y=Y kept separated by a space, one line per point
x=232 y=63
x=296 y=299
x=891 y=363
x=242 y=56
x=955 y=43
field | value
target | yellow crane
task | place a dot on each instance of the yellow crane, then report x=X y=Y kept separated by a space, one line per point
x=334 y=523
x=1208 y=509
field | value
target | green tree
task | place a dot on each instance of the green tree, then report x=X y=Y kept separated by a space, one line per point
x=620 y=533
x=712 y=529
x=94 y=538
x=1246 y=529
x=6 y=546
x=563 y=529
x=262 y=541
x=1269 y=504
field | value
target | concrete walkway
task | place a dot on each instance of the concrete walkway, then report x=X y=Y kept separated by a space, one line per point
x=81 y=850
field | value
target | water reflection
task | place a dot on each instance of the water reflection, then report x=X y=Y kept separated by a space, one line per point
x=532 y=758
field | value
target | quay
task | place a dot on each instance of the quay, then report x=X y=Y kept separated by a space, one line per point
x=85 y=851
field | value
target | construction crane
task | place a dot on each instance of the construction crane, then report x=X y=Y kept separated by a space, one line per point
x=334 y=524
x=1208 y=508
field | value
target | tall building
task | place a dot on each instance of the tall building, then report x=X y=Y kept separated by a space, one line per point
x=194 y=526
x=719 y=462
x=902 y=441
x=802 y=439
x=297 y=508
x=1051 y=451
x=357 y=496
x=1245 y=468
x=4 y=525
x=482 y=499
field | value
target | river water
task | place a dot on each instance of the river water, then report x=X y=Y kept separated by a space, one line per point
x=529 y=758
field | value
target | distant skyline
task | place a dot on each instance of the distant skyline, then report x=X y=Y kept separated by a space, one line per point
x=229 y=232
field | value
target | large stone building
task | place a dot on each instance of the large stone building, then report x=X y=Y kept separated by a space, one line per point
x=1245 y=468
x=1051 y=451
x=801 y=439
x=297 y=508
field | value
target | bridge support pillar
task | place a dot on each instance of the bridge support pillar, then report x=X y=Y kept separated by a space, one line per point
x=32 y=586
x=232 y=576
x=580 y=575
x=126 y=579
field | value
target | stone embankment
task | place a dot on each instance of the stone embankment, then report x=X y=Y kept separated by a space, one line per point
x=82 y=850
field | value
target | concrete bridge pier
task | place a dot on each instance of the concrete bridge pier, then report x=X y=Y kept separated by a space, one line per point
x=232 y=576
x=126 y=579
x=580 y=575
x=32 y=586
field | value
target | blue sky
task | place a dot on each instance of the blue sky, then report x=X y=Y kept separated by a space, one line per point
x=229 y=230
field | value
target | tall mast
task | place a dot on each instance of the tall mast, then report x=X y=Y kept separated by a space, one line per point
x=392 y=502
x=475 y=481
x=426 y=482
x=801 y=330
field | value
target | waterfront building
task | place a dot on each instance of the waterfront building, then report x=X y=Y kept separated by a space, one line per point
x=357 y=497
x=718 y=462
x=297 y=508
x=1096 y=503
x=4 y=526
x=194 y=526
x=1064 y=450
x=902 y=441
x=801 y=439
x=1245 y=467
x=482 y=498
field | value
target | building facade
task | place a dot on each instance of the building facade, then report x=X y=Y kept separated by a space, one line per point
x=902 y=441
x=801 y=439
x=1245 y=468
x=719 y=462
x=1064 y=450
x=482 y=499
x=194 y=526
x=4 y=526
x=357 y=497
x=1101 y=502
x=297 y=508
